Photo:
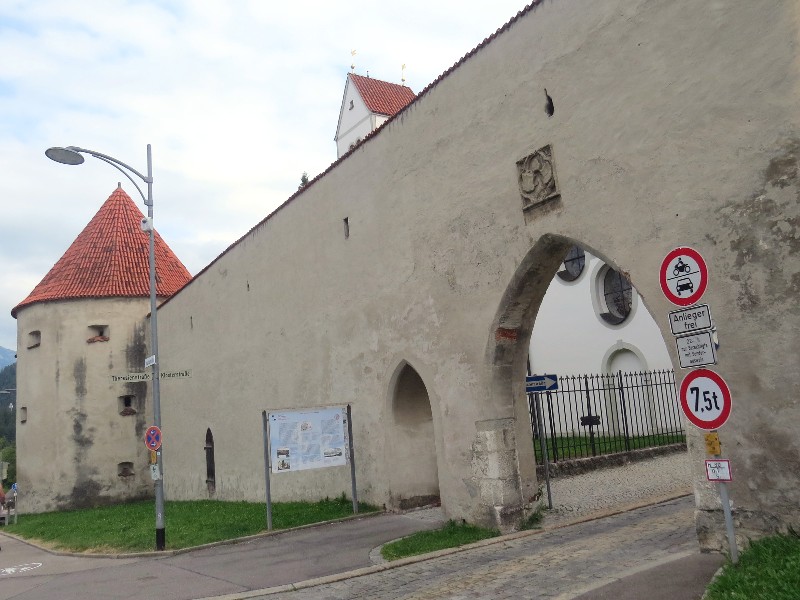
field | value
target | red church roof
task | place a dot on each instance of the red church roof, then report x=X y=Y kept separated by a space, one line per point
x=382 y=97
x=109 y=259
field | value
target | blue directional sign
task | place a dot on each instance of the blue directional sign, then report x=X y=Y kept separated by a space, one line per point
x=541 y=383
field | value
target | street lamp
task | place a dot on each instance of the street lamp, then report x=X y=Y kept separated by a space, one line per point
x=72 y=155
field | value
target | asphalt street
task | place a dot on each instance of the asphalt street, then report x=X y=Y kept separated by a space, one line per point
x=641 y=553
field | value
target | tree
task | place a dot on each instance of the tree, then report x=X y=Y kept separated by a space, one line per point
x=303 y=181
x=9 y=455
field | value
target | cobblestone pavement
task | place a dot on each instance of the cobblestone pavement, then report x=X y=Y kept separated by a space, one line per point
x=559 y=563
x=614 y=488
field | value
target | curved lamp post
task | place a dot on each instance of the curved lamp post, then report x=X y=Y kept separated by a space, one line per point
x=72 y=155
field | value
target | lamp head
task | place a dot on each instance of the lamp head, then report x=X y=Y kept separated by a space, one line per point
x=65 y=156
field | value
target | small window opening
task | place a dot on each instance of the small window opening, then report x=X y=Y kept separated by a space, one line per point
x=34 y=339
x=97 y=333
x=346 y=221
x=211 y=476
x=549 y=107
x=125 y=470
x=23 y=414
x=126 y=407
x=351 y=105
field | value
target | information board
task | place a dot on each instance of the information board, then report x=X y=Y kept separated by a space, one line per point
x=308 y=439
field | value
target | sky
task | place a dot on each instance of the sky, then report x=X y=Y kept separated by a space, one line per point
x=237 y=98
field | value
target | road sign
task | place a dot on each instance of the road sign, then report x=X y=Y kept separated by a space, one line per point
x=718 y=469
x=541 y=383
x=152 y=438
x=705 y=399
x=696 y=350
x=150 y=361
x=690 y=320
x=683 y=276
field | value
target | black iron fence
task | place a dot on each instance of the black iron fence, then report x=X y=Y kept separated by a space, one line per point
x=591 y=415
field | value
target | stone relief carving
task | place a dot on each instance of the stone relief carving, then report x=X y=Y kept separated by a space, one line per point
x=537 y=178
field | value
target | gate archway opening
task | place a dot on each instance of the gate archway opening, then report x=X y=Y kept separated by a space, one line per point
x=520 y=310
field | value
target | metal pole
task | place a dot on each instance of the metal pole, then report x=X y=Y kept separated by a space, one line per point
x=266 y=468
x=352 y=459
x=543 y=443
x=160 y=529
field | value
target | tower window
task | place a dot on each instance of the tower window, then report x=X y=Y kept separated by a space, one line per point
x=126 y=407
x=97 y=333
x=34 y=339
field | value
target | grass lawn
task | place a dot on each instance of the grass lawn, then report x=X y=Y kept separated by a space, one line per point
x=768 y=570
x=451 y=535
x=131 y=527
x=579 y=446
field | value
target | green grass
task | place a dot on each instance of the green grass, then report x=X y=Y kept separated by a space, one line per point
x=451 y=535
x=768 y=570
x=578 y=446
x=131 y=527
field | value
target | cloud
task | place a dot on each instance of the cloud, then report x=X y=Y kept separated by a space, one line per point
x=237 y=98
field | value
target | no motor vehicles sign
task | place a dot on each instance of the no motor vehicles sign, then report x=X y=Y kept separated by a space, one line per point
x=683 y=276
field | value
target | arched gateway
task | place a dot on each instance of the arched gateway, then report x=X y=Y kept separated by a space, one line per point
x=663 y=124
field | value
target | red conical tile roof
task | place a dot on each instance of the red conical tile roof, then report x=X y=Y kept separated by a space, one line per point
x=109 y=259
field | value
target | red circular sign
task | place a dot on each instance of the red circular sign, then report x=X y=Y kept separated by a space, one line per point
x=152 y=438
x=683 y=276
x=705 y=399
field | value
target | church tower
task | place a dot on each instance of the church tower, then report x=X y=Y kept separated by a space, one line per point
x=367 y=104
x=79 y=432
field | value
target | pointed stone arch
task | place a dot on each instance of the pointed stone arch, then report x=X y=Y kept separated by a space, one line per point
x=411 y=445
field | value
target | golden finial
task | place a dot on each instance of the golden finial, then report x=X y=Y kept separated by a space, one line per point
x=403 y=74
x=353 y=64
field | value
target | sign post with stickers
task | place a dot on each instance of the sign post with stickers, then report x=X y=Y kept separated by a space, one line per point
x=706 y=401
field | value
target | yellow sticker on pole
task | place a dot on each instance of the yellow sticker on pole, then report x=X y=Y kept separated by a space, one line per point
x=153 y=457
x=713 y=445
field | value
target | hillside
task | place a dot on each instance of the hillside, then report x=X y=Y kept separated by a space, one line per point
x=7 y=357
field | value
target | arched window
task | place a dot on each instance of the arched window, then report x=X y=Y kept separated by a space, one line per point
x=617 y=295
x=573 y=264
x=210 y=468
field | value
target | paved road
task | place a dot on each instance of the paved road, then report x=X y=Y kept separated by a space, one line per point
x=562 y=563
x=260 y=563
x=645 y=553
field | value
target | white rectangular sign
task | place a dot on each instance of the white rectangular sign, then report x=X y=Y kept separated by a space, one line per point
x=162 y=376
x=308 y=439
x=718 y=470
x=150 y=361
x=696 y=350
x=688 y=320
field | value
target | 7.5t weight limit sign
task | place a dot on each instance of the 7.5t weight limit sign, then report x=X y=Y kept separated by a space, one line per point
x=705 y=399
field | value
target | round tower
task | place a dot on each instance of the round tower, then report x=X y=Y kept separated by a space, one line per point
x=81 y=333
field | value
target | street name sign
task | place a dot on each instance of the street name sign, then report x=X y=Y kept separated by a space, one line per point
x=690 y=320
x=705 y=399
x=683 y=276
x=162 y=376
x=541 y=383
x=696 y=350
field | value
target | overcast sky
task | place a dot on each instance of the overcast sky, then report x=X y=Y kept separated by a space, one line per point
x=237 y=98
